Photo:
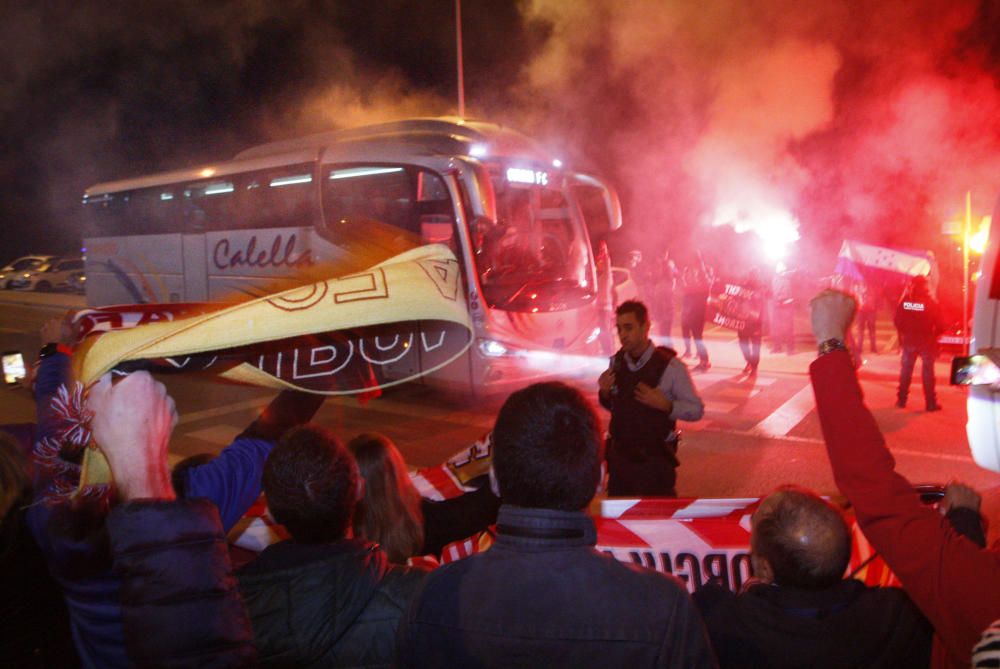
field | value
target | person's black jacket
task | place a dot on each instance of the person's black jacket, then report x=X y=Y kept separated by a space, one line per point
x=847 y=625
x=326 y=605
x=458 y=518
x=543 y=596
x=180 y=603
x=34 y=632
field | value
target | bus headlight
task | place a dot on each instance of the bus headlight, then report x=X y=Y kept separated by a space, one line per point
x=491 y=348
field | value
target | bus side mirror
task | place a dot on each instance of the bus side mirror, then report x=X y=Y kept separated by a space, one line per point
x=602 y=211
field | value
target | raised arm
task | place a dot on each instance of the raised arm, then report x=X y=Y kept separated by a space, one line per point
x=954 y=582
x=180 y=604
x=233 y=480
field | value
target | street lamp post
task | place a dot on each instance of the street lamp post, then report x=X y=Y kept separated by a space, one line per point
x=965 y=272
x=461 y=74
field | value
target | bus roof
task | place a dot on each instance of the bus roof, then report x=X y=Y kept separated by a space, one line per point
x=446 y=136
x=201 y=172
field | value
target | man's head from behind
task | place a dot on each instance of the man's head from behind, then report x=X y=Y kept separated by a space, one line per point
x=799 y=540
x=548 y=450
x=311 y=483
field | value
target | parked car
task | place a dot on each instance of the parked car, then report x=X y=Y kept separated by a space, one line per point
x=16 y=270
x=46 y=277
x=74 y=283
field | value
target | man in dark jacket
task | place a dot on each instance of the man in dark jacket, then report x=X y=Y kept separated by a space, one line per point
x=321 y=599
x=72 y=534
x=919 y=322
x=647 y=389
x=179 y=603
x=542 y=596
x=800 y=611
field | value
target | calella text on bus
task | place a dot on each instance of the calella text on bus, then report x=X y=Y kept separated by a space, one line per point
x=225 y=258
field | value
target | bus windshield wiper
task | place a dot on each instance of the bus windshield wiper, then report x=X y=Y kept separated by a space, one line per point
x=534 y=282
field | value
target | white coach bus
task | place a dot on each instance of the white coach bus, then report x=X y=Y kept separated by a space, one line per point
x=519 y=224
x=981 y=370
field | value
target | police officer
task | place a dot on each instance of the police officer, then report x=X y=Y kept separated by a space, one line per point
x=647 y=389
x=918 y=321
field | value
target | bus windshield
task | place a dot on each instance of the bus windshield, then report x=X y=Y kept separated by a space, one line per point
x=535 y=258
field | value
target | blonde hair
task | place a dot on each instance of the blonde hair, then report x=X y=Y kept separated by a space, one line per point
x=389 y=514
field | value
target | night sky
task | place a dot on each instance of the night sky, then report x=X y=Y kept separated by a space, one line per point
x=833 y=120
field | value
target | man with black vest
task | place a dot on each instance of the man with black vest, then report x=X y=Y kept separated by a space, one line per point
x=647 y=389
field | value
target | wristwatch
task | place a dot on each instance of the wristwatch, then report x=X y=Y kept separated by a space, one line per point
x=48 y=350
x=832 y=344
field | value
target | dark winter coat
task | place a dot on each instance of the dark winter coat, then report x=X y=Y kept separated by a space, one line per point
x=542 y=596
x=848 y=625
x=179 y=599
x=326 y=605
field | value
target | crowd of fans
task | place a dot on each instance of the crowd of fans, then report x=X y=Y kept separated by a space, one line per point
x=140 y=574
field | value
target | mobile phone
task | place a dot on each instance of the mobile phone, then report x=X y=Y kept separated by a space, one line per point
x=974 y=370
x=13 y=367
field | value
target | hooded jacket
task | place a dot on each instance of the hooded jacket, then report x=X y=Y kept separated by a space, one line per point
x=326 y=605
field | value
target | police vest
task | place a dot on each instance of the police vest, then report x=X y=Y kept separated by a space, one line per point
x=636 y=429
x=916 y=319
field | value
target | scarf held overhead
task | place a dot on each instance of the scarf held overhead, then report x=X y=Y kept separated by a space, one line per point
x=333 y=337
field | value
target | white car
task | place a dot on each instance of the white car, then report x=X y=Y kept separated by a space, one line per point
x=47 y=276
x=74 y=283
x=14 y=272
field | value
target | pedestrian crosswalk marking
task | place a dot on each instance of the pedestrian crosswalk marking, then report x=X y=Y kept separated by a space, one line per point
x=192 y=416
x=216 y=434
x=781 y=421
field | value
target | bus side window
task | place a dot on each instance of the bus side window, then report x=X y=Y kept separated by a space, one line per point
x=208 y=206
x=140 y=212
x=436 y=217
x=276 y=199
x=154 y=210
x=106 y=215
x=382 y=193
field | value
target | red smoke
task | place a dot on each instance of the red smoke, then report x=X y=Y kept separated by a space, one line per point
x=861 y=120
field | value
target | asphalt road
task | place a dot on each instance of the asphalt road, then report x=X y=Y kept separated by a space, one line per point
x=756 y=434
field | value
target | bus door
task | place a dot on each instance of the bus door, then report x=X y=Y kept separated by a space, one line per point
x=195 y=270
x=375 y=211
x=206 y=206
x=442 y=221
